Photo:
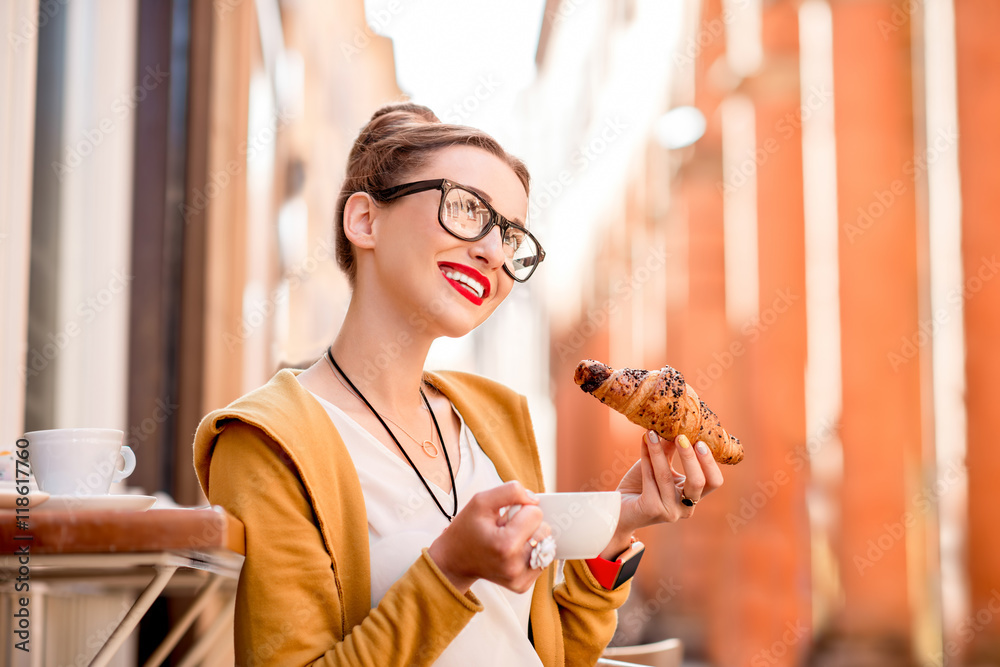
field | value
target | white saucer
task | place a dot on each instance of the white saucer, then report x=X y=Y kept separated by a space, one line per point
x=8 y=498
x=123 y=502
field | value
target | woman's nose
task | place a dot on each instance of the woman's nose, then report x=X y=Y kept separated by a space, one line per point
x=490 y=249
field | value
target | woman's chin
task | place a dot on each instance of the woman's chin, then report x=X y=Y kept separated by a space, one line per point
x=456 y=327
x=458 y=317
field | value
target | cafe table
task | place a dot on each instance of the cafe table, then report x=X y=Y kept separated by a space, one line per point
x=150 y=551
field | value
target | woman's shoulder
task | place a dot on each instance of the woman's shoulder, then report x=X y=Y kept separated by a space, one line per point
x=281 y=411
x=471 y=385
x=280 y=398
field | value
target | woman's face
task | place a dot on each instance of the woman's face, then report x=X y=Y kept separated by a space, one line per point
x=426 y=270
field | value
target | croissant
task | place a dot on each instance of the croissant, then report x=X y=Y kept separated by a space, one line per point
x=661 y=401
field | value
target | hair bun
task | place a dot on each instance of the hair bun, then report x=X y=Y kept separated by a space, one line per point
x=411 y=112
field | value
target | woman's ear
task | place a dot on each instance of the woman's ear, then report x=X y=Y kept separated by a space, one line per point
x=359 y=214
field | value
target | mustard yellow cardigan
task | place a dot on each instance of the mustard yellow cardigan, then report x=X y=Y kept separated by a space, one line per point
x=274 y=459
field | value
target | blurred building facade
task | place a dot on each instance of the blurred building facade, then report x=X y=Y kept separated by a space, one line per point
x=170 y=170
x=825 y=284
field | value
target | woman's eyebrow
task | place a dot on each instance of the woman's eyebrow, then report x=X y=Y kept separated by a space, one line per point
x=479 y=192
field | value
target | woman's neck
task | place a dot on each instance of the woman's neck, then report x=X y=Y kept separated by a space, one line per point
x=383 y=356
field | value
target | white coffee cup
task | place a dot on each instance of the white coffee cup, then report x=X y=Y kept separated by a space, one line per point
x=582 y=523
x=79 y=461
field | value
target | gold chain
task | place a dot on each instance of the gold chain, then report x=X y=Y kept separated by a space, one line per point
x=424 y=445
x=428 y=446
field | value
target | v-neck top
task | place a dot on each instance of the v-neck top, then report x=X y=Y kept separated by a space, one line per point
x=403 y=520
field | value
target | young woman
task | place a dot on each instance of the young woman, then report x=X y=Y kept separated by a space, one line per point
x=374 y=500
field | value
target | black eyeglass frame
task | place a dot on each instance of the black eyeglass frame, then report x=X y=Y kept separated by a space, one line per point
x=445 y=186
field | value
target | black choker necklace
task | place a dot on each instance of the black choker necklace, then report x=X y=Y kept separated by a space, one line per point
x=451 y=474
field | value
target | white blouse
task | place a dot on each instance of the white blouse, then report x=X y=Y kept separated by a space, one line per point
x=403 y=520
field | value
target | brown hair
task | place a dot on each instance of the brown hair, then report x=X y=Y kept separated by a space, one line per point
x=399 y=139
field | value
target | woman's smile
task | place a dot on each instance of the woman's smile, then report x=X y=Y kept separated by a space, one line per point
x=468 y=282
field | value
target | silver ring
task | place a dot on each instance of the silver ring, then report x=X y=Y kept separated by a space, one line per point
x=687 y=502
x=542 y=553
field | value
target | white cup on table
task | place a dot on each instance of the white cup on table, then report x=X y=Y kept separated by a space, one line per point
x=79 y=461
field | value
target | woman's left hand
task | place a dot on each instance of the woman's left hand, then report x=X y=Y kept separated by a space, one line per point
x=652 y=490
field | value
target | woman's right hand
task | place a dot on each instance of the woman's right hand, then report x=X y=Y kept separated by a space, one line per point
x=481 y=543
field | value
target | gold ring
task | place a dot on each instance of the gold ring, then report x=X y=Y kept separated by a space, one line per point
x=687 y=502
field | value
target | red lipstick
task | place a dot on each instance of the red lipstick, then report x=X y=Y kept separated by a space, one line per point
x=466 y=281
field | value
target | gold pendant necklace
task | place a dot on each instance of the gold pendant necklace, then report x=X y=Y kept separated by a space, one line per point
x=428 y=446
x=451 y=472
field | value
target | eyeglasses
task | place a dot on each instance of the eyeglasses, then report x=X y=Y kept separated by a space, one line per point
x=467 y=216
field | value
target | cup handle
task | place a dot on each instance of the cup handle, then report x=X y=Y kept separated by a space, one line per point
x=129 y=458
